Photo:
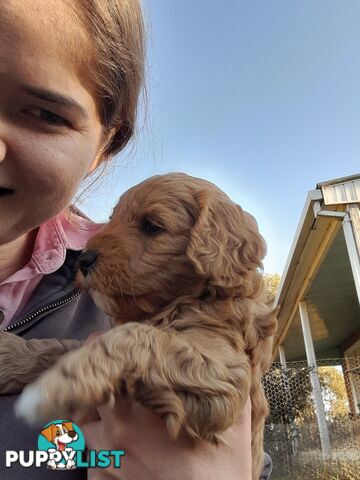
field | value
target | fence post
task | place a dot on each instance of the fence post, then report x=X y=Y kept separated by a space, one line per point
x=294 y=430
x=315 y=382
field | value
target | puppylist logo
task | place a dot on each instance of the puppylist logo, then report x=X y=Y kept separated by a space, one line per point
x=61 y=440
x=61 y=446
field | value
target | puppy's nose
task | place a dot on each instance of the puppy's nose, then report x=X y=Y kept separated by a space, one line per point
x=72 y=433
x=87 y=260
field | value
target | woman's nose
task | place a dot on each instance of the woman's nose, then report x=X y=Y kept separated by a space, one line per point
x=87 y=261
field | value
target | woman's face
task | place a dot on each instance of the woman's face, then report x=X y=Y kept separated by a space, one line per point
x=49 y=126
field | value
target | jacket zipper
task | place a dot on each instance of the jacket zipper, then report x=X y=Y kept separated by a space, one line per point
x=62 y=301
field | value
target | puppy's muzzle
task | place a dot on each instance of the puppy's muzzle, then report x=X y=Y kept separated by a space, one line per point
x=87 y=261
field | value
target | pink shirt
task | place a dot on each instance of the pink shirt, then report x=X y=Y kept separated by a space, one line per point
x=53 y=238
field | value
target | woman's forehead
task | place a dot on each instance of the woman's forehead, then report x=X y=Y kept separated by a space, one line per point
x=43 y=44
x=43 y=29
x=51 y=19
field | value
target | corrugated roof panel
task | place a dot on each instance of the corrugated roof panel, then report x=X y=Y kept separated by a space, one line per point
x=344 y=192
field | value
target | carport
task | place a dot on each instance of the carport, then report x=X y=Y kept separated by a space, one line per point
x=319 y=294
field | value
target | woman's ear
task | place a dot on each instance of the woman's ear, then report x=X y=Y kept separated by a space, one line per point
x=104 y=143
x=226 y=247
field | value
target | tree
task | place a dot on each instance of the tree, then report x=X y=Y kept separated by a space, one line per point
x=272 y=282
x=334 y=391
x=288 y=393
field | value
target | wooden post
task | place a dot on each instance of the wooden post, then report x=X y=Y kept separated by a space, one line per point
x=351 y=227
x=315 y=382
x=354 y=212
x=282 y=356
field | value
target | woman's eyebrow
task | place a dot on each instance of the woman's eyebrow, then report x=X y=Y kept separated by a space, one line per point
x=55 y=97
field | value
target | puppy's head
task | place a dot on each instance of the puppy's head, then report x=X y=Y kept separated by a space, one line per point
x=170 y=237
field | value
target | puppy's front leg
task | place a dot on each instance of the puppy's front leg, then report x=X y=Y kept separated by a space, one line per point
x=87 y=377
x=23 y=361
x=159 y=368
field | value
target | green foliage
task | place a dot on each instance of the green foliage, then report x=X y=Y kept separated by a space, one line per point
x=334 y=391
x=272 y=282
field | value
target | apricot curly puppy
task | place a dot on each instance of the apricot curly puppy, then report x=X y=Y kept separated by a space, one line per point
x=178 y=270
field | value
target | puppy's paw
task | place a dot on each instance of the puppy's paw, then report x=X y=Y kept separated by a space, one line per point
x=31 y=406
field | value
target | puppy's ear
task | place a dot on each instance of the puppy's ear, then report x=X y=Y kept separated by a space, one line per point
x=48 y=432
x=68 y=425
x=225 y=245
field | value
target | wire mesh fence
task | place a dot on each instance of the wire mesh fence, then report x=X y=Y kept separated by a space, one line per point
x=302 y=443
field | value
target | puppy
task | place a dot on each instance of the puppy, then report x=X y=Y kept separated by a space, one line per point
x=178 y=269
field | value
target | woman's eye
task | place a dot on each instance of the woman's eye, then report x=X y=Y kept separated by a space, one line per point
x=49 y=117
x=151 y=228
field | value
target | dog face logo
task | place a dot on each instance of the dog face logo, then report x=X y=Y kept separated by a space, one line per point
x=60 y=434
x=61 y=439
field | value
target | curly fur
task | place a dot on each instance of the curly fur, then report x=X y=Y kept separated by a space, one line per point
x=22 y=361
x=193 y=332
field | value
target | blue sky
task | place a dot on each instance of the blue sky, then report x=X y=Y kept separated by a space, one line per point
x=260 y=97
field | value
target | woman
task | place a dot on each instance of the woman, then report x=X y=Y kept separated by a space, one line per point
x=70 y=76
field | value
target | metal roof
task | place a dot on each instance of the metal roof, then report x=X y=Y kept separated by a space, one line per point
x=318 y=270
x=341 y=191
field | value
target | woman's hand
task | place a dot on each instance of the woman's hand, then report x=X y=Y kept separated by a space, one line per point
x=151 y=454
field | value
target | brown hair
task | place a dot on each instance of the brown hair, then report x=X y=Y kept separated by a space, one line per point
x=117 y=37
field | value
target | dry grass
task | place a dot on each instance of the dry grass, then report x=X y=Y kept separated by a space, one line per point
x=331 y=470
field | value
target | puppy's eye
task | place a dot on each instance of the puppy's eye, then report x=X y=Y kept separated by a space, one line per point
x=151 y=228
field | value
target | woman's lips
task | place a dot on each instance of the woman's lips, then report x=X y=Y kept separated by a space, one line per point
x=5 y=191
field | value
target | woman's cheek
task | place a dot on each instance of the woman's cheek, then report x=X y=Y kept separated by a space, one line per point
x=54 y=173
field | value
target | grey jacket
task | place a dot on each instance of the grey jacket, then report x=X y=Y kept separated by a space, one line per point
x=56 y=310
